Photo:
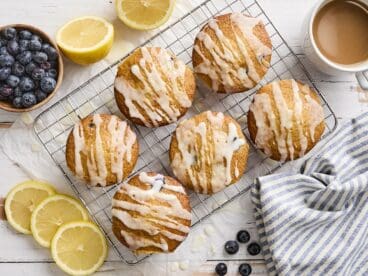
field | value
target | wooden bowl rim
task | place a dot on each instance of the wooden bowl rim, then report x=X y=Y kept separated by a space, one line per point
x=7 y=106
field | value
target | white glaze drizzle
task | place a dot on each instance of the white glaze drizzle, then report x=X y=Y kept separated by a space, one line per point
x=160 y=215
x=122 y=141
x=212 y=153
x=222 y=68
x=152 y=68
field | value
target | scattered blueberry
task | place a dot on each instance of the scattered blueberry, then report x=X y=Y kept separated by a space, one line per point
x=40 y=95
x=243 y=236
x=47 y=84
x=26 y=84
x=36 y=37
x=221 y=269
x=30 y=67
x=9 y=33
x=6 y=60
x=28 y=99
x=3 y=51
x=12 y=81
x=24 y=57
x=245 y=269
x=45 y=65
x=13 y=47
x=24 y=34
x=39 y=57
x=17 y=92
x=18 y=69
x=6 y=91
x=231 y=247
x=51 y=53
x=4 y=73
x=35 y=45
x=52 y=73
x=38 y=74
x=254 y=249
x=17 y=102
x=23 y=45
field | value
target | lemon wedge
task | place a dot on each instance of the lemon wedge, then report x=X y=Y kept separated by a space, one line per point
x=22 y=200
x=79 y=248
x=86 y=40
x=144 y=14
x=51 y=213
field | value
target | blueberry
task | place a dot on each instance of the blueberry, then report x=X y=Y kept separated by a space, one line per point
x=245 y=269
x=254 y=249
x=30 y=67
x=243 y=236
x=38 y=73
x=3 y=42
x=54 y=64
x=35 y=45
x=17 y=92
x=9 y=33
x=28 y=99
x=24 y=57
x=18 y=69
x=17 y=102
x=45 y=65
x=51 y=53
x=4 y=73
x=24 y=34
x=13 y=81
x=40 y=95
x=52 y=73
x=6 y=60
x=6 y=91
x=221 y=269
x=36 y=37
x=26 y=84
x=23 y=45
x=231 y=247
x=13 y=47
x=47 y=84
x=3 y=51
x=39 y=57
x=45 y=46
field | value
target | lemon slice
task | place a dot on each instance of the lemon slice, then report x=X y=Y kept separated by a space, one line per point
x=53 y=212
x=86 y=39
x=22 y=200
x=144 y=14
x=79 y=248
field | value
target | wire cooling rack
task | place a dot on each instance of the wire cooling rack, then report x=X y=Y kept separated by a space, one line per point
x=97 y=96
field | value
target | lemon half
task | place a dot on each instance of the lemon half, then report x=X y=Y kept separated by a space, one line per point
x=79 y=248
x=144 y=14
x=86 y=39
x=22 y=200
x=51 y=213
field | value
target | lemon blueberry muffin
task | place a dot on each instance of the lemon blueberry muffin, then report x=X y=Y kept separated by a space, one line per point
x=102 y=150
x=286 y=119
x=151 y=213
x=208 y=152
x=232 y=53
x=153 y=87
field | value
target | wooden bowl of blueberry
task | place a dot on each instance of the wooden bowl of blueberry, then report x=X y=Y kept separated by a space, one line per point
x=31 y=68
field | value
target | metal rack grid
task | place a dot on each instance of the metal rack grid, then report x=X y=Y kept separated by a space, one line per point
x=97 y=96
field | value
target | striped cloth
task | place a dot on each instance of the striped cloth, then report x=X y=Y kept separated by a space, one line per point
x=316 y=222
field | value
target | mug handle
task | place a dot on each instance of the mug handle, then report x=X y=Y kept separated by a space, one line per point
x=362 y=78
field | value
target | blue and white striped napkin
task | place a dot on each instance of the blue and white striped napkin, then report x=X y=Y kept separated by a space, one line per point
x=316 y=222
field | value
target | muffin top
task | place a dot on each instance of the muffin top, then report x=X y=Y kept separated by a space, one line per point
x=232 y=52
x=151 y=213
x=286 y=119
x=208 y=152
x=101 y=149
x=153 y=87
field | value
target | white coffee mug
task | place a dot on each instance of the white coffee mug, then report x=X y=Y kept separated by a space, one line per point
x=327 y=66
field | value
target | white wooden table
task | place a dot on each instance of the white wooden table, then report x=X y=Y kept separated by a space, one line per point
x=18 y=255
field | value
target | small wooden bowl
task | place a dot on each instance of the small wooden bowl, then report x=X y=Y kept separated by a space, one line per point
x=8 y=106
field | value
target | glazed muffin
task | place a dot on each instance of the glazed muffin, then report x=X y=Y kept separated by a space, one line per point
x=101 y=150
x=151 y=213
x=286 y=119
x=153 y=87
x=232 y=53
x=208 y=152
